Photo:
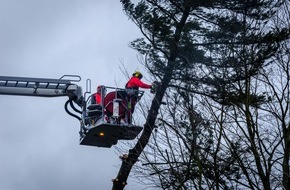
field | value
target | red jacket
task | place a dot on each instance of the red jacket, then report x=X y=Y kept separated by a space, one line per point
x=135 y=82
x=98 y=98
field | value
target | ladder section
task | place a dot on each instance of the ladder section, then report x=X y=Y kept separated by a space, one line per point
x=25 y=86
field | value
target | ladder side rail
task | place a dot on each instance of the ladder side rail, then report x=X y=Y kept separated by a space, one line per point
x=35 y=85
x=41 y=92
x=39 y=80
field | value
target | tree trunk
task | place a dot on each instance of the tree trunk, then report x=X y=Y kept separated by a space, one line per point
x=128 y=162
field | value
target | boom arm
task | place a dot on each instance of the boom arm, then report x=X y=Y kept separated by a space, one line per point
x=41 y=87
x=100 y=125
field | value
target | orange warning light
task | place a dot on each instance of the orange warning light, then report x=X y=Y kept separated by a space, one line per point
x=101 y=134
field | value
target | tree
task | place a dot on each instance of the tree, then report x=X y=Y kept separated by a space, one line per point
x=210 y=48
x=142 y=16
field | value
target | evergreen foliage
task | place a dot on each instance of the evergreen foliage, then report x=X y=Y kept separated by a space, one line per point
x=209 y=57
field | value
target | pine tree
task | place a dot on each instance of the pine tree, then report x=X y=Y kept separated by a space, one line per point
x=209 y=48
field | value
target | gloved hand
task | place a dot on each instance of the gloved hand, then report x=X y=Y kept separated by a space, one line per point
x=154 y=87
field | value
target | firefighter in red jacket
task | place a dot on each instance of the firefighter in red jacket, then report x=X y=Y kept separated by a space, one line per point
x=136 y=83
x=132 y=87
x=100 y=94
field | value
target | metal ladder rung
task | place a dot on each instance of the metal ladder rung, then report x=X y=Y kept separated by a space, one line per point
x=42 y=87
x=34 y=83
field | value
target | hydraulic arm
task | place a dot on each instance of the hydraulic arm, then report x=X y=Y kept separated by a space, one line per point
x=42 y=87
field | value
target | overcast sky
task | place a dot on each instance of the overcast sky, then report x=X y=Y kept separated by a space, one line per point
x=38 y=140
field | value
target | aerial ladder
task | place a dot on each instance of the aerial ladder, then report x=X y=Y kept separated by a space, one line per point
x=101 y=125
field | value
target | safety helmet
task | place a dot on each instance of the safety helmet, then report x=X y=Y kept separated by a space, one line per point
x=137 y=74
x=100 y=88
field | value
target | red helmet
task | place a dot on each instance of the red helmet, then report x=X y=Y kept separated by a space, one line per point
x=99 y=89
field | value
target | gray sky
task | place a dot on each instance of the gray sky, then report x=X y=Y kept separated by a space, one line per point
x=38 y=140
